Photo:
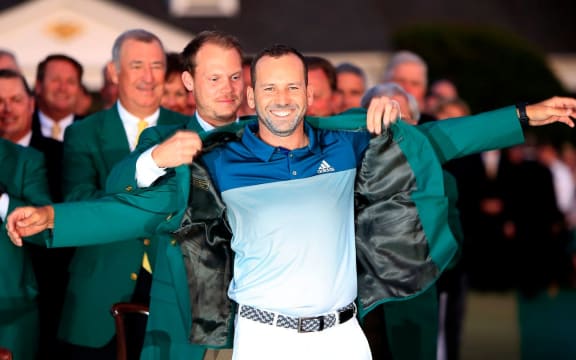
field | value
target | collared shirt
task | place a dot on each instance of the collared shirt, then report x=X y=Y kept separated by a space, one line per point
x=130 y=123
x=203 y=123
x=46 y=125
x=292 y=217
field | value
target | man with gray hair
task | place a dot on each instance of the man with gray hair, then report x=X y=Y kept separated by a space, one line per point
x=106 y=274
x=410 y=71
x=409 y=110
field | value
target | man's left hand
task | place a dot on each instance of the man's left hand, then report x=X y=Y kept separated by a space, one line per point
x=556 y=109
x=382 y=112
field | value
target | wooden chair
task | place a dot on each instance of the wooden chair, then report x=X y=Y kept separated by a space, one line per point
x=118 y=311
x=5 y=354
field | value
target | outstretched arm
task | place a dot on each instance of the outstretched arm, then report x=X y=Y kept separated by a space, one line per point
x=88 y=222
x=28 y=221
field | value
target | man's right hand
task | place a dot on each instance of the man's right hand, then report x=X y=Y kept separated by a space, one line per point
x=179 y=149
x=27 y=221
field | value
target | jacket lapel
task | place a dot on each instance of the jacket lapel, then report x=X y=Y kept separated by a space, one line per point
x=113 y=138
x=194 y=125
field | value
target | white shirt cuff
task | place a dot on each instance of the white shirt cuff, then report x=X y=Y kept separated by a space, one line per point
x=146 y=169
x=4 y=202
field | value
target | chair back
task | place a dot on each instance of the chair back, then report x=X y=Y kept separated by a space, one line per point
x=119 y=311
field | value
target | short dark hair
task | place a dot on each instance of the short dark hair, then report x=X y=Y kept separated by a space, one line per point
x=317 y=62
x=276 y=51
x=350 y=69
x=41 y=69
x=11 y=74
x=174 y=64
x=444 y=103
x=215 y=37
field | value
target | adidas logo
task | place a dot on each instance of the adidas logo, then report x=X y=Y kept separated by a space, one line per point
x=324 y=168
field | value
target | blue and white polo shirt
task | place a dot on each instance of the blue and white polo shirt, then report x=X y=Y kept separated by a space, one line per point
x=292 y=216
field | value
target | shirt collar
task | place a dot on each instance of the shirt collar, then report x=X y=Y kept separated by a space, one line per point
x=205 y=125
x=151 y=119
x=46 y=123
x=25 y=140
x=264 y=151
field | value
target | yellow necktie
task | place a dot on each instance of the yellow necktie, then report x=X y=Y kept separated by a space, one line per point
x=55 y=132
x=142 y=124
x=146 y=263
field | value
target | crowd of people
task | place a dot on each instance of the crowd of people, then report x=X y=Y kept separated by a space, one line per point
x=352 y=235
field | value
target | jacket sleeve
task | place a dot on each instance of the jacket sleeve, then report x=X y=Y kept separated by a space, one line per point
x=463 y=136
x=114 y=218
x=450 y=138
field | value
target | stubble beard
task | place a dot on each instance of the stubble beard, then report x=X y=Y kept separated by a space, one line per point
x=272 y=125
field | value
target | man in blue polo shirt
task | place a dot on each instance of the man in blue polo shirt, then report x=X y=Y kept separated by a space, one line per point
x=289 y=195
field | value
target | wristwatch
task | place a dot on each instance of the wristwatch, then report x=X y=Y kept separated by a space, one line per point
x=522 y=116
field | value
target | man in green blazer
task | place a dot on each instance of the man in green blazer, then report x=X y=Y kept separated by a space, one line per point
x=106 y=274
x=161 y=209
x=23 y=181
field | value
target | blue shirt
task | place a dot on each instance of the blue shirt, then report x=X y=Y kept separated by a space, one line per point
x=292 y=216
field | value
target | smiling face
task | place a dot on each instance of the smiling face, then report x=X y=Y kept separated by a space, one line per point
x=217 y=83
x=140 y=76
x=16 y=108
x=280 y=96
x=59 y=89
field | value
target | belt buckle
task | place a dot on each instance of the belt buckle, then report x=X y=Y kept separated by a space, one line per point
x=311 y=318
x=345 y=315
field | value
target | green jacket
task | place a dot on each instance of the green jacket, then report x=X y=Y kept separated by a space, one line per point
x=23 y=178
x=99 y=275
x=410 y=156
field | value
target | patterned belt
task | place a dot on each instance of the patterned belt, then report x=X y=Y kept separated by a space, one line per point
x=302 y=324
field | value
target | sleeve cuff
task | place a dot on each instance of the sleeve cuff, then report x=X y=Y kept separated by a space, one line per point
x=4 y=202
x=146 y=169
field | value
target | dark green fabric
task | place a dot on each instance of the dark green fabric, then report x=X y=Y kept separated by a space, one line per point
x=547 y=325
x=23 y=178
x=412 y=326
x=100 y=275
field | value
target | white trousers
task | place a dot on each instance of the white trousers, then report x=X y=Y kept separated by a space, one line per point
x=257 y=341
